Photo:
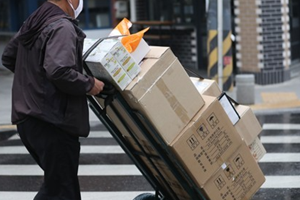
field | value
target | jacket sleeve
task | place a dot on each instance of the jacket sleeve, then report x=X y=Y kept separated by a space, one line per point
x=61 y=62
x=10 y=54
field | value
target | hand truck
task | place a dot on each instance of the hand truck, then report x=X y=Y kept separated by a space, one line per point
x=111 y=97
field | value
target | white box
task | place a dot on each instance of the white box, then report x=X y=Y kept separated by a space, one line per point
x=105 y=66
x=124 y=58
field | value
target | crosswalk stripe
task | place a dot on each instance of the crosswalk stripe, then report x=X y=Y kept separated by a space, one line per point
x=281 y=157
x=282 y=182
x=85 y=149
x=93 y=134
x=99 y=134
x=281 y=126
x=11 y=195
x=279 y=139
x=84 y=170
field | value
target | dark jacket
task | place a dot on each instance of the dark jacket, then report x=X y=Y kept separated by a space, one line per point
x=46 y=58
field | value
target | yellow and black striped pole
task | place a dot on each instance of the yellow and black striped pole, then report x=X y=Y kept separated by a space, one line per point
x=212 y=45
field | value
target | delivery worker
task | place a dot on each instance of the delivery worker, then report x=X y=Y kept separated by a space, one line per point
x=49 y=91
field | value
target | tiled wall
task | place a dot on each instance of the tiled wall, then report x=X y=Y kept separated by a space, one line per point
x=263 y=39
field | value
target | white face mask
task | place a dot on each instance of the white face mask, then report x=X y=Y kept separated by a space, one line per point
x=78 y=10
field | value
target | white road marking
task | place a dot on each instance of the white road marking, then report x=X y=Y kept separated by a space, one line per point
x=84 y=170
x=281 y=126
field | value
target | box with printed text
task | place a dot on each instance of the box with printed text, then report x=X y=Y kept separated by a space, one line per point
x=207 y=141
x=109 y=60
x=240 y=177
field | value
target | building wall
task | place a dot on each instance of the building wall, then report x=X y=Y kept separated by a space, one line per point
x=184 y=47
x=263 y=39
x=182 y=39
x=247 y=36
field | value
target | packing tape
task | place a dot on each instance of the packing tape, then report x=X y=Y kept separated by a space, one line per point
x=174 y=103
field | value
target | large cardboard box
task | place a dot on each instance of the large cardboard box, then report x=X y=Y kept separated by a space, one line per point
x=167 y=99
x=248 y=126
x=207 y=87
x=156 y=62
x=239 y=178
x=207 y=141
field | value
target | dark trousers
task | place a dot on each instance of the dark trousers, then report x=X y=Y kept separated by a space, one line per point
x=57 y=153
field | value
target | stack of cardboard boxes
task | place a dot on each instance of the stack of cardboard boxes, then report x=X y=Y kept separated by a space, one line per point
x=213 y=139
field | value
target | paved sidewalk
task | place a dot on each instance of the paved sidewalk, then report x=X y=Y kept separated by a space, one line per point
x=283 y=97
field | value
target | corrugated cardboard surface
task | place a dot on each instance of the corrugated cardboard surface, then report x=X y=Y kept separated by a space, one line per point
x=248 y=126
x=169 y=103
x=239 y=178
x=257 y=149
x=207 y=87
x=158 y=60
x=207 y=141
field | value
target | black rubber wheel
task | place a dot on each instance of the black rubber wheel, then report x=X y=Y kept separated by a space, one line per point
x=145 y=196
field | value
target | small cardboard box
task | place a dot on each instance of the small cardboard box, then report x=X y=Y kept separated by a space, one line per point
x=207 y=87
x=257 y=149
x=112 y=46
x=169 y=100
x=207 y=141
x=239 y=178
x=124 y=58
x=105 y=66
x=248 y=126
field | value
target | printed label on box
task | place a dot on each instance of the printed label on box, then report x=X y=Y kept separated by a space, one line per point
x=240 y=177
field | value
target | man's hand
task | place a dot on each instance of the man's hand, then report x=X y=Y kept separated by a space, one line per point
x=98 y=87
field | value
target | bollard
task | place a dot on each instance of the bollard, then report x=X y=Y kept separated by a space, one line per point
x=245 y=89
